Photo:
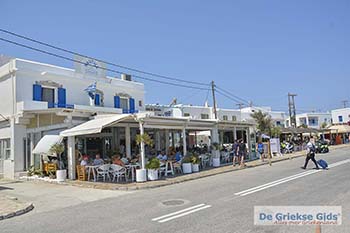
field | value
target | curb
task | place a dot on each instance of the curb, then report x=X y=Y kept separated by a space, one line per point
x=17 y=212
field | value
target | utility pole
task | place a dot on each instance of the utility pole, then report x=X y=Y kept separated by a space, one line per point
x=292 y=111
x=214 y=100
x=345 y=103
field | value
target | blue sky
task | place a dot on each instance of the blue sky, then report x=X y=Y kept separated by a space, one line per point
x=258 y=50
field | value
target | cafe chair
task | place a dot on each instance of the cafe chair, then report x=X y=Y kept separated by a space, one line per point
x=103 y=171
x=118 y=171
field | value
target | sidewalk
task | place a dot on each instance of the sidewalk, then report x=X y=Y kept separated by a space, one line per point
x=11 y=207
x=188 y=177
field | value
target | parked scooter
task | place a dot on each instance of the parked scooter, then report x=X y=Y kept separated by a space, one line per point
x=287 y=147
x=321 y=147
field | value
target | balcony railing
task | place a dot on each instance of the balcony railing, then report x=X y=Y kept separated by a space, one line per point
x=127 y=111
x=55 y=105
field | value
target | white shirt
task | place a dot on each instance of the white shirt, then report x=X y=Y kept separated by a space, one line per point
x=309 y=146
x=83 y=163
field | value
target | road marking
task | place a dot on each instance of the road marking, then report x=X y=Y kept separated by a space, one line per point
x=181 y=213
x=286 y=179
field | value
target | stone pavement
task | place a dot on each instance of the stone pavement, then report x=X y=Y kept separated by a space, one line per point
x=11 y=207
x=182 y=178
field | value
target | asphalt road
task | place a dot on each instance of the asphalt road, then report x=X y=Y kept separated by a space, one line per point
x=214 y=204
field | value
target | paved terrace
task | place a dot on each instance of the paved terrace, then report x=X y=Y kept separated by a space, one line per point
x=183 y=178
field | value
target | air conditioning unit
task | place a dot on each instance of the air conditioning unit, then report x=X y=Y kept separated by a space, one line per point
x=126 y=77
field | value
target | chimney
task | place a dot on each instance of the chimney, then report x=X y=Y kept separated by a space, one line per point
x=126 y=77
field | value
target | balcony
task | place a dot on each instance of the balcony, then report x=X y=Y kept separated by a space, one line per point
x=39 y=105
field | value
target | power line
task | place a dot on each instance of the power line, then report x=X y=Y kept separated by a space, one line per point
x=99 y=67
x=109 y=63
x=233 y=96
x=227 y=96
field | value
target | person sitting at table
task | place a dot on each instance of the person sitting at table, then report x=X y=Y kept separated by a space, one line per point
x=98 y=161
x=85 y=161
x=136 y=159
x=125 y=160
x=118 y=161
x=162 y=156
x=178 y=156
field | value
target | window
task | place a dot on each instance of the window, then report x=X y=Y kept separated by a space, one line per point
x=124 y=103
x=340 y=118
x=278 y=123
x=204 y=116
x=5 y=148
x=97 y=99
x=234 y=118
x=186 y=114
x=225 y=118
x=48 y=95
x=140 y=103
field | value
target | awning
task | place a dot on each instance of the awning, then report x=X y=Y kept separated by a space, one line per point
x=298 y=130
x=95 y=126
x=264 y=136
x=45 y=144
x=340 y=129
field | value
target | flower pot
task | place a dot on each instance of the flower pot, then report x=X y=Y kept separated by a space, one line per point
x=61 y=175
x=216 y=162
x=141 y=175
x=152 y=174
x=195 y=167
x=187 y=168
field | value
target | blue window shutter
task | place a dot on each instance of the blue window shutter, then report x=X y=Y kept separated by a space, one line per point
x=132 y=105
x=61 y=97
x=97 y=99
x=37 y=92
x=116 y=101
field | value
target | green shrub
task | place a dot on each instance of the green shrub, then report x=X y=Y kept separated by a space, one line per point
x=153 y=163
x=187 y=159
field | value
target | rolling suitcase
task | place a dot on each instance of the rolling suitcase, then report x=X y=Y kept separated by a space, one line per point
x=322 y=163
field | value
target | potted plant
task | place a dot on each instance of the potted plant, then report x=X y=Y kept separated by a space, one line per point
x=147 y=140
x=152 y=167
x=215 y=151
x=195 y=163
x=187 y=165
x=57 y=150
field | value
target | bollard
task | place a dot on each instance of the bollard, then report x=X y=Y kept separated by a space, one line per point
x=318 y=228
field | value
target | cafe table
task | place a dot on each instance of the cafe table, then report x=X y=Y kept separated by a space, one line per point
x=92 y=168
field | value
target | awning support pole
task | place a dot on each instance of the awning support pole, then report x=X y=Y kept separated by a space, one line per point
x=142 y=145
x=127 y=142
x=71 y=157
x=184 y=143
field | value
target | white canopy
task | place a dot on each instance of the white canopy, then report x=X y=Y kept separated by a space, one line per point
x=340 y=128
x=94 y=126
x=45 y=144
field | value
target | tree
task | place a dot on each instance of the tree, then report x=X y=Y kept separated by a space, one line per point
x=57 y=150
x=263 y=121
x=276 y=132
x=324 y=125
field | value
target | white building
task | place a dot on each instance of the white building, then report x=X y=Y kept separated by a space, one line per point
x=206 y=112
x=341 y=116
x=278 y=117
x=312 y=120
x=40 y=99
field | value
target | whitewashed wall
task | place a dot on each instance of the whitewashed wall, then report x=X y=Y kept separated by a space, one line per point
x=344 y=112
x=30 y=72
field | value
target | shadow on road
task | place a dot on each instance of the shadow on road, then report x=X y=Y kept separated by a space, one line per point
x=5 y=188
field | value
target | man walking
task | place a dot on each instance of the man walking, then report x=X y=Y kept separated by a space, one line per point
x=310 y=149
x=235 y=152
x=242 y=151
